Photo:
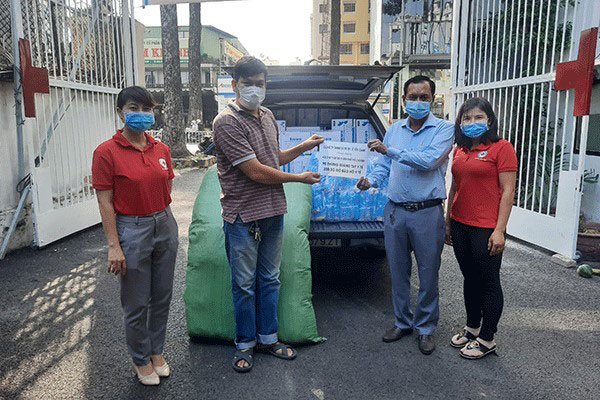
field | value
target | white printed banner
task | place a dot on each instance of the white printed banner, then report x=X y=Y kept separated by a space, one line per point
x=346 y=160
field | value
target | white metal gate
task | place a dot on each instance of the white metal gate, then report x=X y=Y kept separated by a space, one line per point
x=87 y=47
x=507 y=51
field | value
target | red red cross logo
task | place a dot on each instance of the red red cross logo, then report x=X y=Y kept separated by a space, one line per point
x=579 y=74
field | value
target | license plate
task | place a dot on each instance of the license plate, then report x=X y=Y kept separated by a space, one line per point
x=326 y=243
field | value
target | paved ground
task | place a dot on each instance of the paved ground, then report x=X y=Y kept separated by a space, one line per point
x=62 y=337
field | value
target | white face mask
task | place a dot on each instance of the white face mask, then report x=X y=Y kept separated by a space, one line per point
x=251 y=97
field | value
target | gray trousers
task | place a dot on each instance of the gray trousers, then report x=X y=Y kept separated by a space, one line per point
x=150 y=248
x=421 y=232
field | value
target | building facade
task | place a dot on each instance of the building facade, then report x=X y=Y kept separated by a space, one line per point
x=415 y=34
x=354 y=31
x=218 y=48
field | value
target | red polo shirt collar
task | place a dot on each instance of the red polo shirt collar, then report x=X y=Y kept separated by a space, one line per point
x=122 y=140
x=481 y=147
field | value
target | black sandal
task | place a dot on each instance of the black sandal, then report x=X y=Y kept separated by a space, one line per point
x=243 y=355
x=476 y=345
x=464 y=334
x=273 y=349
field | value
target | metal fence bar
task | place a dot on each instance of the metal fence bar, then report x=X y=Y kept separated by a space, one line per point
x=537 y=147
x=523 y=140
x=486 y=44
x=531 y=118
x=518 y=31
x=117 y=43
x=546 y=134
x=537 y=47
x=508 y=83
x=510 y=51
x=494 y=55
x=510 y=127
x=498 y=42
x=564 y=32
x=544 y=58
x=477 y=54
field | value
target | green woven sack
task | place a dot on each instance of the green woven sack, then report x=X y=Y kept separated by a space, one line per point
x=208 y=301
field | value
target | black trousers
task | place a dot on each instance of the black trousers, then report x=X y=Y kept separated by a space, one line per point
x=483 y=294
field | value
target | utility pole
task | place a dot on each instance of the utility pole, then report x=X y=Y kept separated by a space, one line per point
x=195 y=63
x=334 y=48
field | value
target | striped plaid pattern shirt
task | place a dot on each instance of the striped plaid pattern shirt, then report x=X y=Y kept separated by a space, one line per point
x=239 y=136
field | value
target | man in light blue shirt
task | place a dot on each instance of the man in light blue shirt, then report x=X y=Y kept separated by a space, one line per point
x=415 y=157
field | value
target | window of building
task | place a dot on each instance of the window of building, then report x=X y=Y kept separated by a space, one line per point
x=324 y=8
x=323 y=28
x=593 y=139
x=183 y=34
x=150 y=79
x=207 y=79
x=346 y=48
x=364 y=48
x=185 y=78
x=349 y=7
x=350 y=28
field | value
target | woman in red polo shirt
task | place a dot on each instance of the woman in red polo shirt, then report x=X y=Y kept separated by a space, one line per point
x=480 y=200
x=132 y=175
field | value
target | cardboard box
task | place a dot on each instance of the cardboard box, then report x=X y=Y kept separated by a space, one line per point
x=364 y=131
x=282 y=125
x=289 y=139
x=347 y=128
x=331 y=136
x=304 y=128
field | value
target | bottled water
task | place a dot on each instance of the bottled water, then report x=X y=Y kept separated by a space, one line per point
x=318 y=210
x=347 y=205
x=381 y=202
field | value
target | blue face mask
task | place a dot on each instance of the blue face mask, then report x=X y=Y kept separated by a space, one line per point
x=139 y=121
x=418 y=109
x=474 y=130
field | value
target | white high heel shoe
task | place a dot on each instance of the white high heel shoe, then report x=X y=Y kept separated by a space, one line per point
x=147 y=380
x=164 y=371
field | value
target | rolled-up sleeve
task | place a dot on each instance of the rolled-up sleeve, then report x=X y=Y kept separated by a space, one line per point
x=382 y=165
x=431 y=156
x=231 y=140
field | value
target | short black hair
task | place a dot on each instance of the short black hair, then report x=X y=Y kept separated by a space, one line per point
x=248 y=66
x=135 y=93
x=491 y=136
x=420 y=79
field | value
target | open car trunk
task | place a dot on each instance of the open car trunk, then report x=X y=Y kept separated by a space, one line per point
x=313 y=96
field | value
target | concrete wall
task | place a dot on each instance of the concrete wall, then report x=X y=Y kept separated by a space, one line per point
x=9 y=198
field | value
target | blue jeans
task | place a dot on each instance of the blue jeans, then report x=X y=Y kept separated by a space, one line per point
x=255 y=279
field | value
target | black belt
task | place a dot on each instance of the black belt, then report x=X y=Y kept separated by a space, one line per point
x=419 y=205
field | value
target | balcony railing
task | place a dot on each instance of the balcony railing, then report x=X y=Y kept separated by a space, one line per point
x=423 y=41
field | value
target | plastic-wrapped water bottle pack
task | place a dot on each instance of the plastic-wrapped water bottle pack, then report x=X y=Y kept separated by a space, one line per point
x=338 y=199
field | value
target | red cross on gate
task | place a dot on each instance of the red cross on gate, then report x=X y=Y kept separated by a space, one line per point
x=34 y=80
x=579 y=74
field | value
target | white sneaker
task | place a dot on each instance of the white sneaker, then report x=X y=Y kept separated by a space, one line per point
x=147 y=380
x=163 y=371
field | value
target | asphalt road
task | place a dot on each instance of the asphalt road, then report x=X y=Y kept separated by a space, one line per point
x=62 y=336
